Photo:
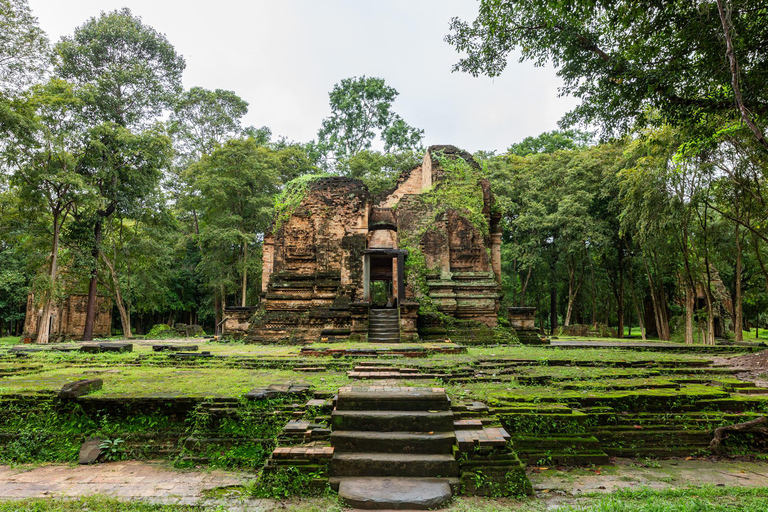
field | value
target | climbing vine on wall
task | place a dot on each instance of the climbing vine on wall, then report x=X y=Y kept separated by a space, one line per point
x=292 y=195
x=458 y=190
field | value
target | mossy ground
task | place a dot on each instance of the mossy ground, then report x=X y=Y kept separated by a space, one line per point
x=561 y=405
x=688 y=499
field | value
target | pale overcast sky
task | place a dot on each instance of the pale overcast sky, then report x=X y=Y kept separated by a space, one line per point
x=284 y=56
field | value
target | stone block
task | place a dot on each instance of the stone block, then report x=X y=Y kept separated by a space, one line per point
x=90 y=453
x=79 y=388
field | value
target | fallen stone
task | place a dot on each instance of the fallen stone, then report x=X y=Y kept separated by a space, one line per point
x=116 y=347
x=78 y=388
x=90 y=348
x=90 y=451
x=174 y=348
x=276 y=390
x=394 y=493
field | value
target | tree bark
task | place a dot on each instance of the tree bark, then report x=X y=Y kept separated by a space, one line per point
x=751 y=426
x=734 y=66
x=690 y=297
x=620 y=297
x=216 y=313
x=659 y=305
x=44 y=324
x=525 y=286
x=245 y=273
x=90 y=312
x=552 y=309
x=738 y=323
x=125 y=319
x=573 y=290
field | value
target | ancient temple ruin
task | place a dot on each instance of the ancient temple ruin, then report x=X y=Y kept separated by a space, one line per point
x=67 y=319
x=340 y=264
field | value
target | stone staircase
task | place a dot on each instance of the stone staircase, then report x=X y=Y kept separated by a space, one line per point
x=384 y=325
x=393 y=447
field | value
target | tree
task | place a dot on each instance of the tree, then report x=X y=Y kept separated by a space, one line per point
x=235 y=186
x=48 y=177
x=359 y=108
x=549 y=142
x=698 y=60
x=128 y=70
x=23 y=47
x=128 y=74
x=202 y=119
x=123 y=167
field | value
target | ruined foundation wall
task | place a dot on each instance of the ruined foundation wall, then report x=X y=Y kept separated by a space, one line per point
x=68 y=317
x=313 y=264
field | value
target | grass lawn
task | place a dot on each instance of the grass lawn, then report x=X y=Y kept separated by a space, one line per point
x=691 y=499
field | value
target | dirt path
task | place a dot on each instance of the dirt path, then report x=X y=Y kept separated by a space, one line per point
x=559 y=487
x=151 y=481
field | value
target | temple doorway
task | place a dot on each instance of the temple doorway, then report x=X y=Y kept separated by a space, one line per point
x=384 y=277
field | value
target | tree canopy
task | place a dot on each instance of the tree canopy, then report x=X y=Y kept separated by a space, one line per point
x=693 y=63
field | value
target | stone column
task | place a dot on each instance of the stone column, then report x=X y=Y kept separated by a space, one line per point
x=400 y=278
x=366 y=278
x=496 y=255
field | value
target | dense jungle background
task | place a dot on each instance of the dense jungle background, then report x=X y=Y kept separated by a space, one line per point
x=649 y=220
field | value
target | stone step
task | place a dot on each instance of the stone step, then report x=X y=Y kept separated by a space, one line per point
x=392 y=442
x=393 y=421
x=391 y=398
x=370 y=368
x=394 y=327
x=378 y=339
x=394 y=464
x=374 y=493
x=391 y=375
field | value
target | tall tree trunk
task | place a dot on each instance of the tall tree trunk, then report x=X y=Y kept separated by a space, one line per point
x=725 y=19
x=659 y=305
x=125 y=319
x=690 y=298
x=573 y=291
x=245 y=273
x=738 y=322
x=216 y=312
x=552 y=309
x=44 y=324
x=640 y=316
x=90 y=312
x=710 y=304
x=525 y=286
x=594 y=293
x=620 y=296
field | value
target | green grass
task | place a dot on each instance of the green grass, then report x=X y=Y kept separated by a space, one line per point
x=9 y=340
x=169 y=381
x=693 y=499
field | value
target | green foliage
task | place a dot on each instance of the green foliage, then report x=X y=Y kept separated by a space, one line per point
x=459 y=190
x=202 y=120
x=360 y=107
x=289 y=199
x=549 y=142
x=126 y=87
x=111 y=450
x=291 y=481
x=379 y=171
x=161 y=330
x=23 y=47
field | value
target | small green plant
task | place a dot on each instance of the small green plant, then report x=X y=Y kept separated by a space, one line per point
x=111 y=450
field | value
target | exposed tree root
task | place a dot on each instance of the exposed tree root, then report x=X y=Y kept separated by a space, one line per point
x=748 y=426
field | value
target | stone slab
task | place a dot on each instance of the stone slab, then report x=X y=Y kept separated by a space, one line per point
x=78 y=388
x=395 y=493
x=394 y=465
x=90 y=452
